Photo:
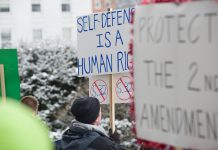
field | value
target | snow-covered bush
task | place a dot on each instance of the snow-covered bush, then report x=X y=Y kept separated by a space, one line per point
x=48 y=72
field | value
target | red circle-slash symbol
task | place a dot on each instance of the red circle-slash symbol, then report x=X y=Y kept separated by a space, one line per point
x=99 y=89
x=124 y=88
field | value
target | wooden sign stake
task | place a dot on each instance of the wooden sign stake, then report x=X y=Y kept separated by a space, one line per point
x=112 y=106
x=2 y=75
x=112 y=103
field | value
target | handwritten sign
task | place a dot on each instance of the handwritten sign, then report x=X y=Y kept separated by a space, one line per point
x=10 y=83
x=123 y=88
x=99 y=88
x=103 y=42
x=176 y=74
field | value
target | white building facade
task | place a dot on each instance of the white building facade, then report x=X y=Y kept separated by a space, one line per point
x=26 y=21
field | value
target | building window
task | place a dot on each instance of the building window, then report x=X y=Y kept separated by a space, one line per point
x=97 y=4
x=36 y=7
x=107 y=3
x=37 y=34
x=66 y=33
x=6 y=38
x=4 y=6
x=65 y=7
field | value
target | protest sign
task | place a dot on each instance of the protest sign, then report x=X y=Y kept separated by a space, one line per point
x=123 y=88
x=103 y=41
x=10 y=83
x=99 y=87
x=176 y=74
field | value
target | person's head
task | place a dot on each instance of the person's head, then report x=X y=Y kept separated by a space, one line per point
x=87 y=110
x=31 y=102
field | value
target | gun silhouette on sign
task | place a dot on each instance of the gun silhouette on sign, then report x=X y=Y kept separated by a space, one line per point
x=2 y=77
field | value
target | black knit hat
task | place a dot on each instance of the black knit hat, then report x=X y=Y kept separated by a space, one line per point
x=86 y=110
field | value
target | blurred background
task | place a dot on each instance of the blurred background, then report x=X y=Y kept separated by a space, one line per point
x=32 y=21
x=44 y=33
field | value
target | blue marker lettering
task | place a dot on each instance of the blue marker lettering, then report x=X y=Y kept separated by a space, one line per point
x=119 y=16
x=109 y=62
x=84 y=23
x=104 y=20
x=127 y=61
x=87 y=66
x=126 y=15
x=119 y=61
x=118 y=36
x=80 y=66
x=102 y=63
x=108 y=18
x=106 y=37
x=79 y=23
x=95 y=63
x=90 y=28
x=95 y=20
x=113 y=17
x=99 y=40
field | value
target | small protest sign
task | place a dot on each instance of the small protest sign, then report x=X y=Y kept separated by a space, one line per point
x=103 y=40
x=99 y=87
x=123 y=88
x=10 y=83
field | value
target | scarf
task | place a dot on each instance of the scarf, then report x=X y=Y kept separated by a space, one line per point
x=89 y=127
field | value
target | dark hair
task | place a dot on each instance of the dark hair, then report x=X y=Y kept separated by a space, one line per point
x=30 y=102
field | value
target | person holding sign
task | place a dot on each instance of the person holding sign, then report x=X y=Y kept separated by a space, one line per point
x=85 y=131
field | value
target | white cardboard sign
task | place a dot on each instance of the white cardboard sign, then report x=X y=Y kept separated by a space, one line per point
x=103 y=42
x=99 y=87
x=122 y=88
x=176 y=74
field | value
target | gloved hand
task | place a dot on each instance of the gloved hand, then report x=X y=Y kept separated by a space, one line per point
x=114 y=136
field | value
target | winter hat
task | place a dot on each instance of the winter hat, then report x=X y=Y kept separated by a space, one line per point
x=86 y=110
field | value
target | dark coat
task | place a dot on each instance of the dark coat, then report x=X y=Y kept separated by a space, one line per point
x=79 y=138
